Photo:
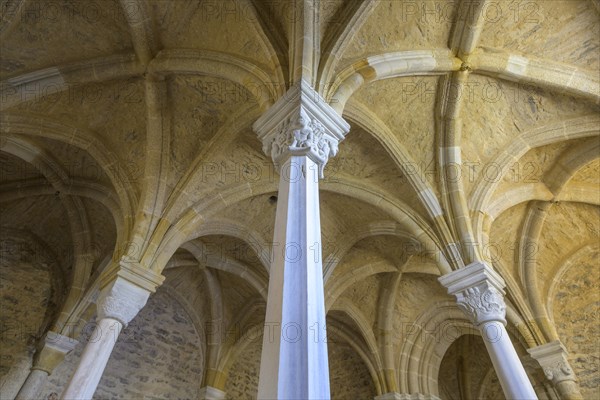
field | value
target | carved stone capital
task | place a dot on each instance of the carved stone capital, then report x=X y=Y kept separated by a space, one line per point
x=121 y=300
x=553 y=358
x=301 y=123
x=124 y=290
x=479 y=292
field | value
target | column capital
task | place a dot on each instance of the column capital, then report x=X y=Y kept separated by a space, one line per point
x=479 y=292
x=124 y=290
x=301 y=123
x=51 y=350
x=553 y=358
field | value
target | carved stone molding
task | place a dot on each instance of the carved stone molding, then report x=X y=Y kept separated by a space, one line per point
x=479 y=292
x=301 y=123
x=553 y=358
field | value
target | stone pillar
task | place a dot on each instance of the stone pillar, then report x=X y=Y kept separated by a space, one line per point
x=403 y=396
x=479 y=292
x=300 y=132
x=552 y=357
x=51 y=351
x=211 y=393
x=123 y=293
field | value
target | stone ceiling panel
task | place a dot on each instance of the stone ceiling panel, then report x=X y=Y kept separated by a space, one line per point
x=45 y=217
x=415 y=294
x=398 y=25
x=51 y=33
x=406 y=106
x=495 y=113
x=362 y=157
x=568 y=227
x=364 y=295
x=504 y=235
x=566 y=31
x=589 y=174
x=14 y=169
x=201 y=106
x=229 y=26
x=114 y=110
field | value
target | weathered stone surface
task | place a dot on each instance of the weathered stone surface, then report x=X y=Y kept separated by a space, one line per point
x=25 y=295
x=242 y=382
x=349 y=375
x=576 y=302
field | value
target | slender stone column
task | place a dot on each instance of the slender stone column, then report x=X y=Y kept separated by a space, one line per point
x=124 y=291
x=52 y=350
x=552 y=357
x=479 y=292
x=300 y=132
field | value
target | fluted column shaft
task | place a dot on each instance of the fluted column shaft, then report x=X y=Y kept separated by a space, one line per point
x=479 y=291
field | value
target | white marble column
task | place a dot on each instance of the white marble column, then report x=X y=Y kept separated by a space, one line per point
x=51 y=351
x=553 y=358
x=300 y=132
x=124 y=291
x=479 y=291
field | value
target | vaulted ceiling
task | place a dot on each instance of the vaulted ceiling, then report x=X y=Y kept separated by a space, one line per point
x=127 y=132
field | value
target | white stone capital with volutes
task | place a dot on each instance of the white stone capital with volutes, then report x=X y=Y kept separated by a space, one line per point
x=479 y=292
x=301 y=123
